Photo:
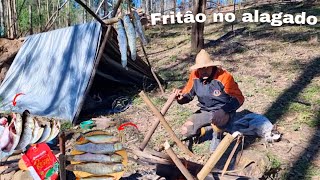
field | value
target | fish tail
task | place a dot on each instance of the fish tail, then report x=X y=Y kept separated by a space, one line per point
x=71 y=167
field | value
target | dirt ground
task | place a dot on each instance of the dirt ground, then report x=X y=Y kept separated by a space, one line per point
x=8 y=49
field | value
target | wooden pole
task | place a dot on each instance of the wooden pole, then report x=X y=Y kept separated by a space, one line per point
x=177 y=161
x=62 y=158
x=100 y=54
x=165 y=124
x=153 y=73
x=216 y=155
x=157 y=121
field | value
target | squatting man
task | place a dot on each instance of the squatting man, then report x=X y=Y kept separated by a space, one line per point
x=218 y=94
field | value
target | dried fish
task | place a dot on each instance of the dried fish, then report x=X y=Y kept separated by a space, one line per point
x=96 y=168
x=131 y=35
x=28 y=127
x=99 y=148
x=100 y=158
x=46 y=131
x=122 y=40
x=102 y=138
x=37 y=132
x=54 y=130
x=97 y=178
x=139 y=28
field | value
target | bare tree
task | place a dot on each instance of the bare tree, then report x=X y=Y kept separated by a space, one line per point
x=30 y=20
x=9 y=12
x=197 y=41
x=1 y=19
x=162 y=6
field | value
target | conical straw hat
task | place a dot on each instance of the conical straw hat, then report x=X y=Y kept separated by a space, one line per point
x=203 y=60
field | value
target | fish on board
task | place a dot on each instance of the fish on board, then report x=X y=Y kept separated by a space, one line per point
x=46 y=132
x=102 y=138
x=100 y=158
x=54 y=130
x=37 y=132
x=27 y=132
x=97 y=178
x=96 y=168
x=122 y=40
x=139 y=28
x=131 y=35
x=15 y=128
x=99 y=148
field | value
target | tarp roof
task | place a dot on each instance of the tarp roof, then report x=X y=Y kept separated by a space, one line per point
x=53 y=70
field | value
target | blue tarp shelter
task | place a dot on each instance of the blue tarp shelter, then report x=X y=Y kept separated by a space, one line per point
x=53 y=70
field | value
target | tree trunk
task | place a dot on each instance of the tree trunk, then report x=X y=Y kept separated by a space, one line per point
x=197 y=41
x=68 y=19
x=10 y=27
x=147 y=6
x=30 y=20
x=48 y=12
x=14 y=19
x=39 y=14
x=59 y=22
x=85 y=13
x=1 y=19
x=162 y=6
x=174 y=6
x=105 y=8
x=143 y=5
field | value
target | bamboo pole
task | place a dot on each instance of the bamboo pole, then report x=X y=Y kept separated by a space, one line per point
x=216 y=155
x=165 y=124
x=157 y=121
x=177 y=161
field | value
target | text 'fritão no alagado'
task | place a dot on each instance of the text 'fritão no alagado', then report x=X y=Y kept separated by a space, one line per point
x=275 y=19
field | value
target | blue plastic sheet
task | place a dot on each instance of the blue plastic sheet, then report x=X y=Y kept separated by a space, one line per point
x=53 y=70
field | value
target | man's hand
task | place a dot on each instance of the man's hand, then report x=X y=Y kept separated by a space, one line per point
x=178 y=93
x=220 y=118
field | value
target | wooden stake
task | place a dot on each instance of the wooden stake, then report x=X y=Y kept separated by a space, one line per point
x=157 y=121
x=214 y=158
x=165 y=124
x=177 y=161
x=62 y=158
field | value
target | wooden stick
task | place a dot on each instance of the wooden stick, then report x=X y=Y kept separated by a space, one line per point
x=62 y=159
x=177 y=161
x=91 y=12
x=214 y=158
x=153 y=73
x=62 y=167
x=149 y=156
x=157 y=121
x=165 y=124
x=230 y=157
x=62 y=141
x=111 y=20
x=100 y=54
